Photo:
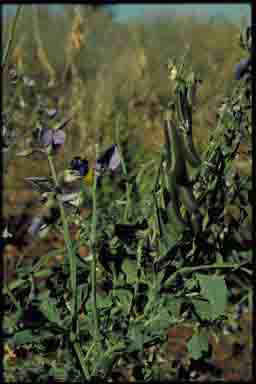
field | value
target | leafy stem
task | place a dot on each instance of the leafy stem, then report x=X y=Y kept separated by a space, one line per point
x=71 y=255
x=94 y=255
x=81 y=359
x=124 y=170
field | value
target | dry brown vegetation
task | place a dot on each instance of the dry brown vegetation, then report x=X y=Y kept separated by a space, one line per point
x=98 y=69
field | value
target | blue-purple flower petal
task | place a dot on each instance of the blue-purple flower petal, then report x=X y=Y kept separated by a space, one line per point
x=79 y=165
x=59 y=137
x=36 y=225
x=242 y=68
x=115 y=160
x=109 y=160
x=46 y=137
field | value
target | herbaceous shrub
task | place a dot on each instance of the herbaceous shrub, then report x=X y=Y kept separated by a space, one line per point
x=165 y=241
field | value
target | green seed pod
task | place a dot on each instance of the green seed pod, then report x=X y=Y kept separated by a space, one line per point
x=191 y=204
x=187 y=111
x=176 y=161
x=174 y=206
x=179 y=108
x=189 y=151
x=187 y=137
x=188 y=199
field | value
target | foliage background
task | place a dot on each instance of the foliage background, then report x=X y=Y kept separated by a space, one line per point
x=128 y=74
x=97 y=69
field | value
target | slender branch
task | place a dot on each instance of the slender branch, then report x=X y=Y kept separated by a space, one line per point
x=71 y=256
x=93 y=251
x=81 y=359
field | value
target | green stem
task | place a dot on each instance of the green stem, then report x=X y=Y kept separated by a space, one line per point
x=81 y=359
x=139 y=257
x=124 y=170
x=117 y=134
x=94 y=256
x=12 y=297
x=89 y=351
x=73 y=273
x=11 y=37
x=128 y=202
x=71 y=256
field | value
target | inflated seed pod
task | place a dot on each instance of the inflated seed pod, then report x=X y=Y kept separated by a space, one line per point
x=176 y=161
x=192 y=93
x=171 y=202
x=181 y=114
x=186 y=128
x=186 y=110
x=179 y=107
x=189 y=151
x=176 y=168
x=174 y=206
x=168 y=147
x=188 y=199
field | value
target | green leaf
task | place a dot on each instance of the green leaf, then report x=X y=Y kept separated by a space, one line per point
x=130 y=269
x=214 y=289
x=197 y=345
x=159 y=278
x=24 y=337
x=173 y=306
x=136 y=333
x=58 y=373
x=159 y=323
x=102 y=302
x=204 y=309
x=49 y=309
x=106 y=362
x=28 y=337
x=125 y=298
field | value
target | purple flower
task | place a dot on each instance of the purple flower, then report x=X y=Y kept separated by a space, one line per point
x=109 y=160
x=242 y=68
x=36 y=226
x=46 y=137
x=79 y=165
x=51 y=113
x=49 y=137
x=53 y=138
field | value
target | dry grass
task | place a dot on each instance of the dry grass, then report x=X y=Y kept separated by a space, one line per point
x=99 y=69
